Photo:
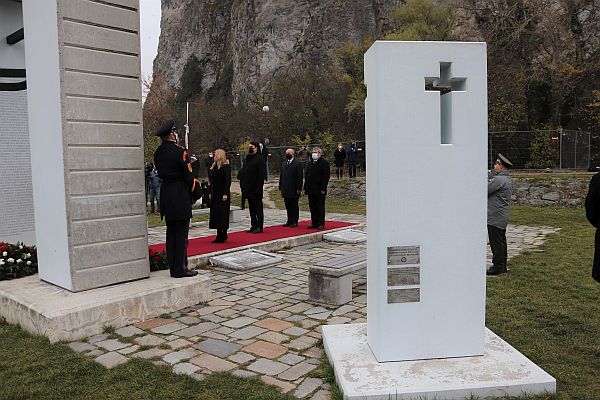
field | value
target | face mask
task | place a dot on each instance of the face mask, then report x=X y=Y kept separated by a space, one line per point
x=288 y=156
x=210 y=155
x=250 y=151
x=315 y=156
x=340 y=147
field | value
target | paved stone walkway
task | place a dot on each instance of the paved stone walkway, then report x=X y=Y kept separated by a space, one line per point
x=259 y=323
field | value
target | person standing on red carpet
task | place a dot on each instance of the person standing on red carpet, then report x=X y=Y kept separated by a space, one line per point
x=220 y=181
x=315 y=187
x=256 y=173
x=290 y=185
x=178 y=190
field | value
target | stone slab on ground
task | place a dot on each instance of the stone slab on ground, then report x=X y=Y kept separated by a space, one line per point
x=351 y=236
x=245 y=260
x=59 y=314
x=501 y=371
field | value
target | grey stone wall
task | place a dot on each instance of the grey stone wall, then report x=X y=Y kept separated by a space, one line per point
x=16 y=192
x=535 y=189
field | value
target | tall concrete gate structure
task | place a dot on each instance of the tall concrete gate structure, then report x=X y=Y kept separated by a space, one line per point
x=85 y=127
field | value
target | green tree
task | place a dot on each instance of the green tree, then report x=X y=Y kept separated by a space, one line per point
x=190 y=83
x=544 y=153
x=422 y=20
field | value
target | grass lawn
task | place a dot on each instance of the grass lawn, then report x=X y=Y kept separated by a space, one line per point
x=31 y=368
x=547 y=307
x=333 y=204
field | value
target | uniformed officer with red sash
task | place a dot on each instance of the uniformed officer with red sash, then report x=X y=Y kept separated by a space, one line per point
x=179 y=190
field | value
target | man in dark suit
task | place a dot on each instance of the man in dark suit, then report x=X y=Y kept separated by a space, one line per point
x=290 y=185
x=178 y=185
x=315 y=187
x=256 y=172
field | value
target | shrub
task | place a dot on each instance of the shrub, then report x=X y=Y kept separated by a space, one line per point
x=17 y=260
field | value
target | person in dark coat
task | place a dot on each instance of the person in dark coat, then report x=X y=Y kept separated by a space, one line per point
x=220 y=182
x=339 y=156
x=290 y=185
x=241 y=175
x=209 y=162
x=315 y=187
x=499 y=194
x=256 y=172
x=352 y=154
x=592 y=212
x=178 y=190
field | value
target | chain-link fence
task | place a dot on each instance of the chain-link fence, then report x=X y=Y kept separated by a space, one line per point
x=557 y=149
x=566 y=149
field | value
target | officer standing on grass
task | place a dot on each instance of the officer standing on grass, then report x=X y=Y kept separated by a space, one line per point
x=499 y=193
x=177 y=195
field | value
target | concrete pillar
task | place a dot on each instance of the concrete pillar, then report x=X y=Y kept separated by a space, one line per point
x=426 y=127
x=85 y=124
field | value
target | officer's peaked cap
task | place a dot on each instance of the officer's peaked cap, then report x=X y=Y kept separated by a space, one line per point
x=165 y=128
x=504 y=161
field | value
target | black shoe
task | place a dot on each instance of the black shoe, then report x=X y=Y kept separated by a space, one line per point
x=311 y=227
x=219 y=240
x=293 y=225
x=320 y=227
x=496 y=270
x=186 y=274
x=251 y=230
x=257 y=230
x=286 y=224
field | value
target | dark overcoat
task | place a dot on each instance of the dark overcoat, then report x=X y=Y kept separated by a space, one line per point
x=255 y=174
x=178 y=183
x=220 y=182
x=317 y=177
x=592 y=212
x=339 y=156
x=290 y=179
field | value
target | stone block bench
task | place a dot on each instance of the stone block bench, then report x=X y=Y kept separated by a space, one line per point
x=330 y=281
x=235 y=213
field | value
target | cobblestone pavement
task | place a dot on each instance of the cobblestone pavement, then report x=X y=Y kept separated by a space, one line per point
x=259 y=323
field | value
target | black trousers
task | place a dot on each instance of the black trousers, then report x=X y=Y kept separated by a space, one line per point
x=257 y=217
x=177 y=240
x=339 y=172
x=352 y=169
x=497 y=239
x=243 y=200
x=293 y=212
x=317 y=209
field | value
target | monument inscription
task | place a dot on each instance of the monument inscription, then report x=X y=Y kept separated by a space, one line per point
x=400 y=255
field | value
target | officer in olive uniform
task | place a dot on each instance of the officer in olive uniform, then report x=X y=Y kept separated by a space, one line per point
x=179 y=187
x=499 y=194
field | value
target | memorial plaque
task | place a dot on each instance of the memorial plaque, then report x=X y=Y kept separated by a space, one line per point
x=412 y=295
x=402 y=255
x=346 y=236
x=245 y=260
x=404 y=276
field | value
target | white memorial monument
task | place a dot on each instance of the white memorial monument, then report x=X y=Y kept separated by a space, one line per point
x=426 y=131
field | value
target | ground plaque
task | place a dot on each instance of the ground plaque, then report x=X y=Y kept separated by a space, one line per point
x=245 y=260
x=346 y=236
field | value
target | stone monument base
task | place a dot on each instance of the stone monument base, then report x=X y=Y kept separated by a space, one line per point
x=59 y=314
x=501 y=371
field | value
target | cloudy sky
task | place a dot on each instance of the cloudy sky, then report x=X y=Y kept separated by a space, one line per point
x=150 y=31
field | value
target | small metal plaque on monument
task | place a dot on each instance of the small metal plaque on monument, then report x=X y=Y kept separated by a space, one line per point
x=245 y=260
x=404 y=274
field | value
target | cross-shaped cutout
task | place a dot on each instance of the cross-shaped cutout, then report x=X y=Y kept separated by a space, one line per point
x=445 y=84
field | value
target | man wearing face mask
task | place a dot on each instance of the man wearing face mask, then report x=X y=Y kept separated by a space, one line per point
x=255 y=173
x=315 y=187
x=178 y=190
x=290 y=185
x=352 y=155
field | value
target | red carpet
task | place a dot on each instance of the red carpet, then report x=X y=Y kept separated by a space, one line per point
x=203 y=245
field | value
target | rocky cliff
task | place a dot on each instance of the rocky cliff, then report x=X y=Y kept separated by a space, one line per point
x=246 y=42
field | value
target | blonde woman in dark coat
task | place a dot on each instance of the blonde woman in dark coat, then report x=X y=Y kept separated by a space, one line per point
x=220 y=181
